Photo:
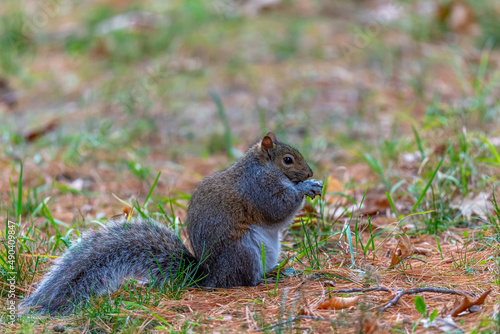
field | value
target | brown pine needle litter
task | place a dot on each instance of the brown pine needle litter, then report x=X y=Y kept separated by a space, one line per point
x=312 y=300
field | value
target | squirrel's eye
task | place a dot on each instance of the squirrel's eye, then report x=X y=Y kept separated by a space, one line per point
x=287 y=160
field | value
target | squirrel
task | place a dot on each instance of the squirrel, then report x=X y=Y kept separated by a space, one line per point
x=231 y=213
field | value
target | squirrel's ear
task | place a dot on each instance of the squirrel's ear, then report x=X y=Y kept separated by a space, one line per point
x=272 y=136
x=267 y=142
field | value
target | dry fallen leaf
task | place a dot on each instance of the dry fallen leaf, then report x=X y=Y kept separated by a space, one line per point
x=370 y=325
x=37 y=133
x=457 y=15
x=422 y=251
x=127 y=213
x=404 y=249
x=338 y=303
x=479 y=205
x=335 y=186
x=466 y=303
x=253 y=7
x=375 y=202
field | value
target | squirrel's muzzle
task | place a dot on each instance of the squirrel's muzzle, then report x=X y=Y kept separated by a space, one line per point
x=310 y=173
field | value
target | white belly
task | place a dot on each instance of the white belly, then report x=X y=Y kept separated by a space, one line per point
x=271 y=238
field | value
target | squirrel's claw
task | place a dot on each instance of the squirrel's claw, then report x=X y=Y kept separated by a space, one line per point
x=312 y=188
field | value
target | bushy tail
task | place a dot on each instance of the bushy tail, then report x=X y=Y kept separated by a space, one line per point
x=100 y=262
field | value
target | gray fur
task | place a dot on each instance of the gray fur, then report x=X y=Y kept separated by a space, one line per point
x=254 y=192
x=271 y=238
x=230 y=214
x=101 y=261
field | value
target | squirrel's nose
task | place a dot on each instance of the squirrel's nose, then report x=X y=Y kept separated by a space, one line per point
x=310 y=174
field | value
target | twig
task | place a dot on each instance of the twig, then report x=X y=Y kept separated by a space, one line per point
x=360 y=290
x=420 y=290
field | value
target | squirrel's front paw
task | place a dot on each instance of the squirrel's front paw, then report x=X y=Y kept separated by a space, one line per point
x=311 y=188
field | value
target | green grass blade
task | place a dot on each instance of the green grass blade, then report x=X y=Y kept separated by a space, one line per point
x=430 y=181
x=363 y=199
x=347 y=228
x=396 y=186
x=19 y=203
x=227 y=129
x=483 y=66
x=148 y=311
x=377 y=167
x=393 y=207
x=46 y=213
x=263 y=253
x=419 y=213
x=419 y=142
x=439 y=247
x=152 y=188
x=371 y=235
x=492 y=148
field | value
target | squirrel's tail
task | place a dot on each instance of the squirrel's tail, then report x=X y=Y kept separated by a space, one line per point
x=100 y=261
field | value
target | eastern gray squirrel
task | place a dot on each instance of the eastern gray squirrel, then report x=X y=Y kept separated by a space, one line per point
x=230 y=214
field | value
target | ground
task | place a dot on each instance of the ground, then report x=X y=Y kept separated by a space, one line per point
x=395 y=105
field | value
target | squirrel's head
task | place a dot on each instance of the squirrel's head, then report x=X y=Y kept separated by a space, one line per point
x=285 y=158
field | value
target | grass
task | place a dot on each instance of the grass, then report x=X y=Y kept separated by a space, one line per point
x=406 y=124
